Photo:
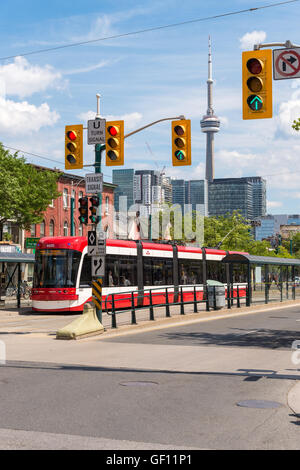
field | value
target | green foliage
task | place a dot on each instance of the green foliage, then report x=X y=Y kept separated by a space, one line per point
x=25 y=192
x=296 y=124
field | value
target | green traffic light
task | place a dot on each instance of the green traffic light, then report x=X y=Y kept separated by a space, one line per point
x=179 y=155
x=255 y=102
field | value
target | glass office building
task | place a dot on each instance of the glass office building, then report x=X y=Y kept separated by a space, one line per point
x=124 y=181
x=226 y=195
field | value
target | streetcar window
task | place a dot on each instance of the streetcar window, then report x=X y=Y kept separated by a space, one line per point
x=120 y=271
x=216 y=270
x=56 y=268
x=86 y=272
x=190 y=272
x=158 y=272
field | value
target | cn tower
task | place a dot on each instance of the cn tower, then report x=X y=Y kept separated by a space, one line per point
x=209 y=123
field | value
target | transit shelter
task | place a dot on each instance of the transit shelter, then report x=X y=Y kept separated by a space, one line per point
x=10 y=271
x=267 y=278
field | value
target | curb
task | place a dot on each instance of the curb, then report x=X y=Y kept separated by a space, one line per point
x=190 y=318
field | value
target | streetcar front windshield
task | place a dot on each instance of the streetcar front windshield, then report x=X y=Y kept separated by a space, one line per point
x=56 y=268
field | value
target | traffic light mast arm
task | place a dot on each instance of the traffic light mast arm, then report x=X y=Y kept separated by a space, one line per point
x=101 y=148
x=152 y=124
x=288 y=44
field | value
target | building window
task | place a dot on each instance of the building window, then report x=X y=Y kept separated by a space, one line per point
x=106 y=205
x=66 y=229
x=65 y=198
x=33 y=230
x=51 y=228
x=80 y=195
x=51 y=203
x=80 y=230
x=42 y=229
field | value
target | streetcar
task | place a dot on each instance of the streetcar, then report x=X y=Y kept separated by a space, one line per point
x=62 y=271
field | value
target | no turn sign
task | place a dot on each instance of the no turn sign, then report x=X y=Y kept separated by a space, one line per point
x=286 y=63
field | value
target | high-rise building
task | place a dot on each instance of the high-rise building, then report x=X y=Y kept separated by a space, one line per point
x=178 y=192
x=124 y=180
x=259 y=195
x=247 y=195
x=226 y=195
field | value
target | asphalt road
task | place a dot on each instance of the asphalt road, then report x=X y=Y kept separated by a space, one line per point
x=176 y=387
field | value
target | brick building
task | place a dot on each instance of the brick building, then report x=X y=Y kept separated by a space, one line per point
x=57 y=218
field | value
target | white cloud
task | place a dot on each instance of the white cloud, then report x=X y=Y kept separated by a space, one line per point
x=288 y=111
x=87 y=69
x=23 y=117
x=249 y=39
x=23 y=79
x=273 y=204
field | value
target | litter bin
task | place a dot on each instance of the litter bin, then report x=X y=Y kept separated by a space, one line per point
x=216 y=294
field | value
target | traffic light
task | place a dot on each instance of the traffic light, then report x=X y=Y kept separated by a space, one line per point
x=114 y=143
x=74 y=147
x=83 y=210
x=257 y=84
x=181 y=142
x=94 y=218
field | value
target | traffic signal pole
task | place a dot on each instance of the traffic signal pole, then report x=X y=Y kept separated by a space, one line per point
x=99 y=148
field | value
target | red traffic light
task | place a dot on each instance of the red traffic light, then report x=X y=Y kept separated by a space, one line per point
x=72 y=135
x=95 y=201
x=113 y=130
x=254 y=66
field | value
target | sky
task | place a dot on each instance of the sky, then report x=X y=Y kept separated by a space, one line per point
x=148 y=76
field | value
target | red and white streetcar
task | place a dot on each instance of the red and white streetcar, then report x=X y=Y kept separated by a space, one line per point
x=62 y=273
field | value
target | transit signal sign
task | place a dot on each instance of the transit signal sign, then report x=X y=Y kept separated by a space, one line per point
x=257 y=84
x=181 y=142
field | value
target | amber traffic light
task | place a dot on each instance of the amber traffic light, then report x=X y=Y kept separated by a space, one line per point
x=114 y=143
x=74 y=147
x=181 y=142
x=257 y=84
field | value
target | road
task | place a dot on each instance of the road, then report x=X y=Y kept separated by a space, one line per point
x=179 y=386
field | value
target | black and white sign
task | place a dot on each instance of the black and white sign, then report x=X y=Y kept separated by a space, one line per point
x=98 y=266
x=286 y=63
x=92 y=243
x=96 y=131
x=101 y=247
x=93 y=183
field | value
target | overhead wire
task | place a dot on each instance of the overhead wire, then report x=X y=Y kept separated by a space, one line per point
x=147 y=30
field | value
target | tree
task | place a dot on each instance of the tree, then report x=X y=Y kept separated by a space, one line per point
x=296 y=124
x=25 y=191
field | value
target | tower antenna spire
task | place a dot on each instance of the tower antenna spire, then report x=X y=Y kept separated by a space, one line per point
x=210 y=123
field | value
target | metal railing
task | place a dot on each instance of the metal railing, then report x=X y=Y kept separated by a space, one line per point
x=117 y=303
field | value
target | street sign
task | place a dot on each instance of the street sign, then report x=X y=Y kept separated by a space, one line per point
x=98 y=266
x=286 y=63
x=31 y=242
x=101 y=247
x=96 y=131
x=92 y=243
x=93 y=183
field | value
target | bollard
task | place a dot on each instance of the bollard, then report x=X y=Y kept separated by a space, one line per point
x=181 y=302
x=133 y=317
x=151 y=306
x=238 y=296
x=195 y=300
x=207 y=300
x=215 y=300
x=167 y=304
x=113 y=313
